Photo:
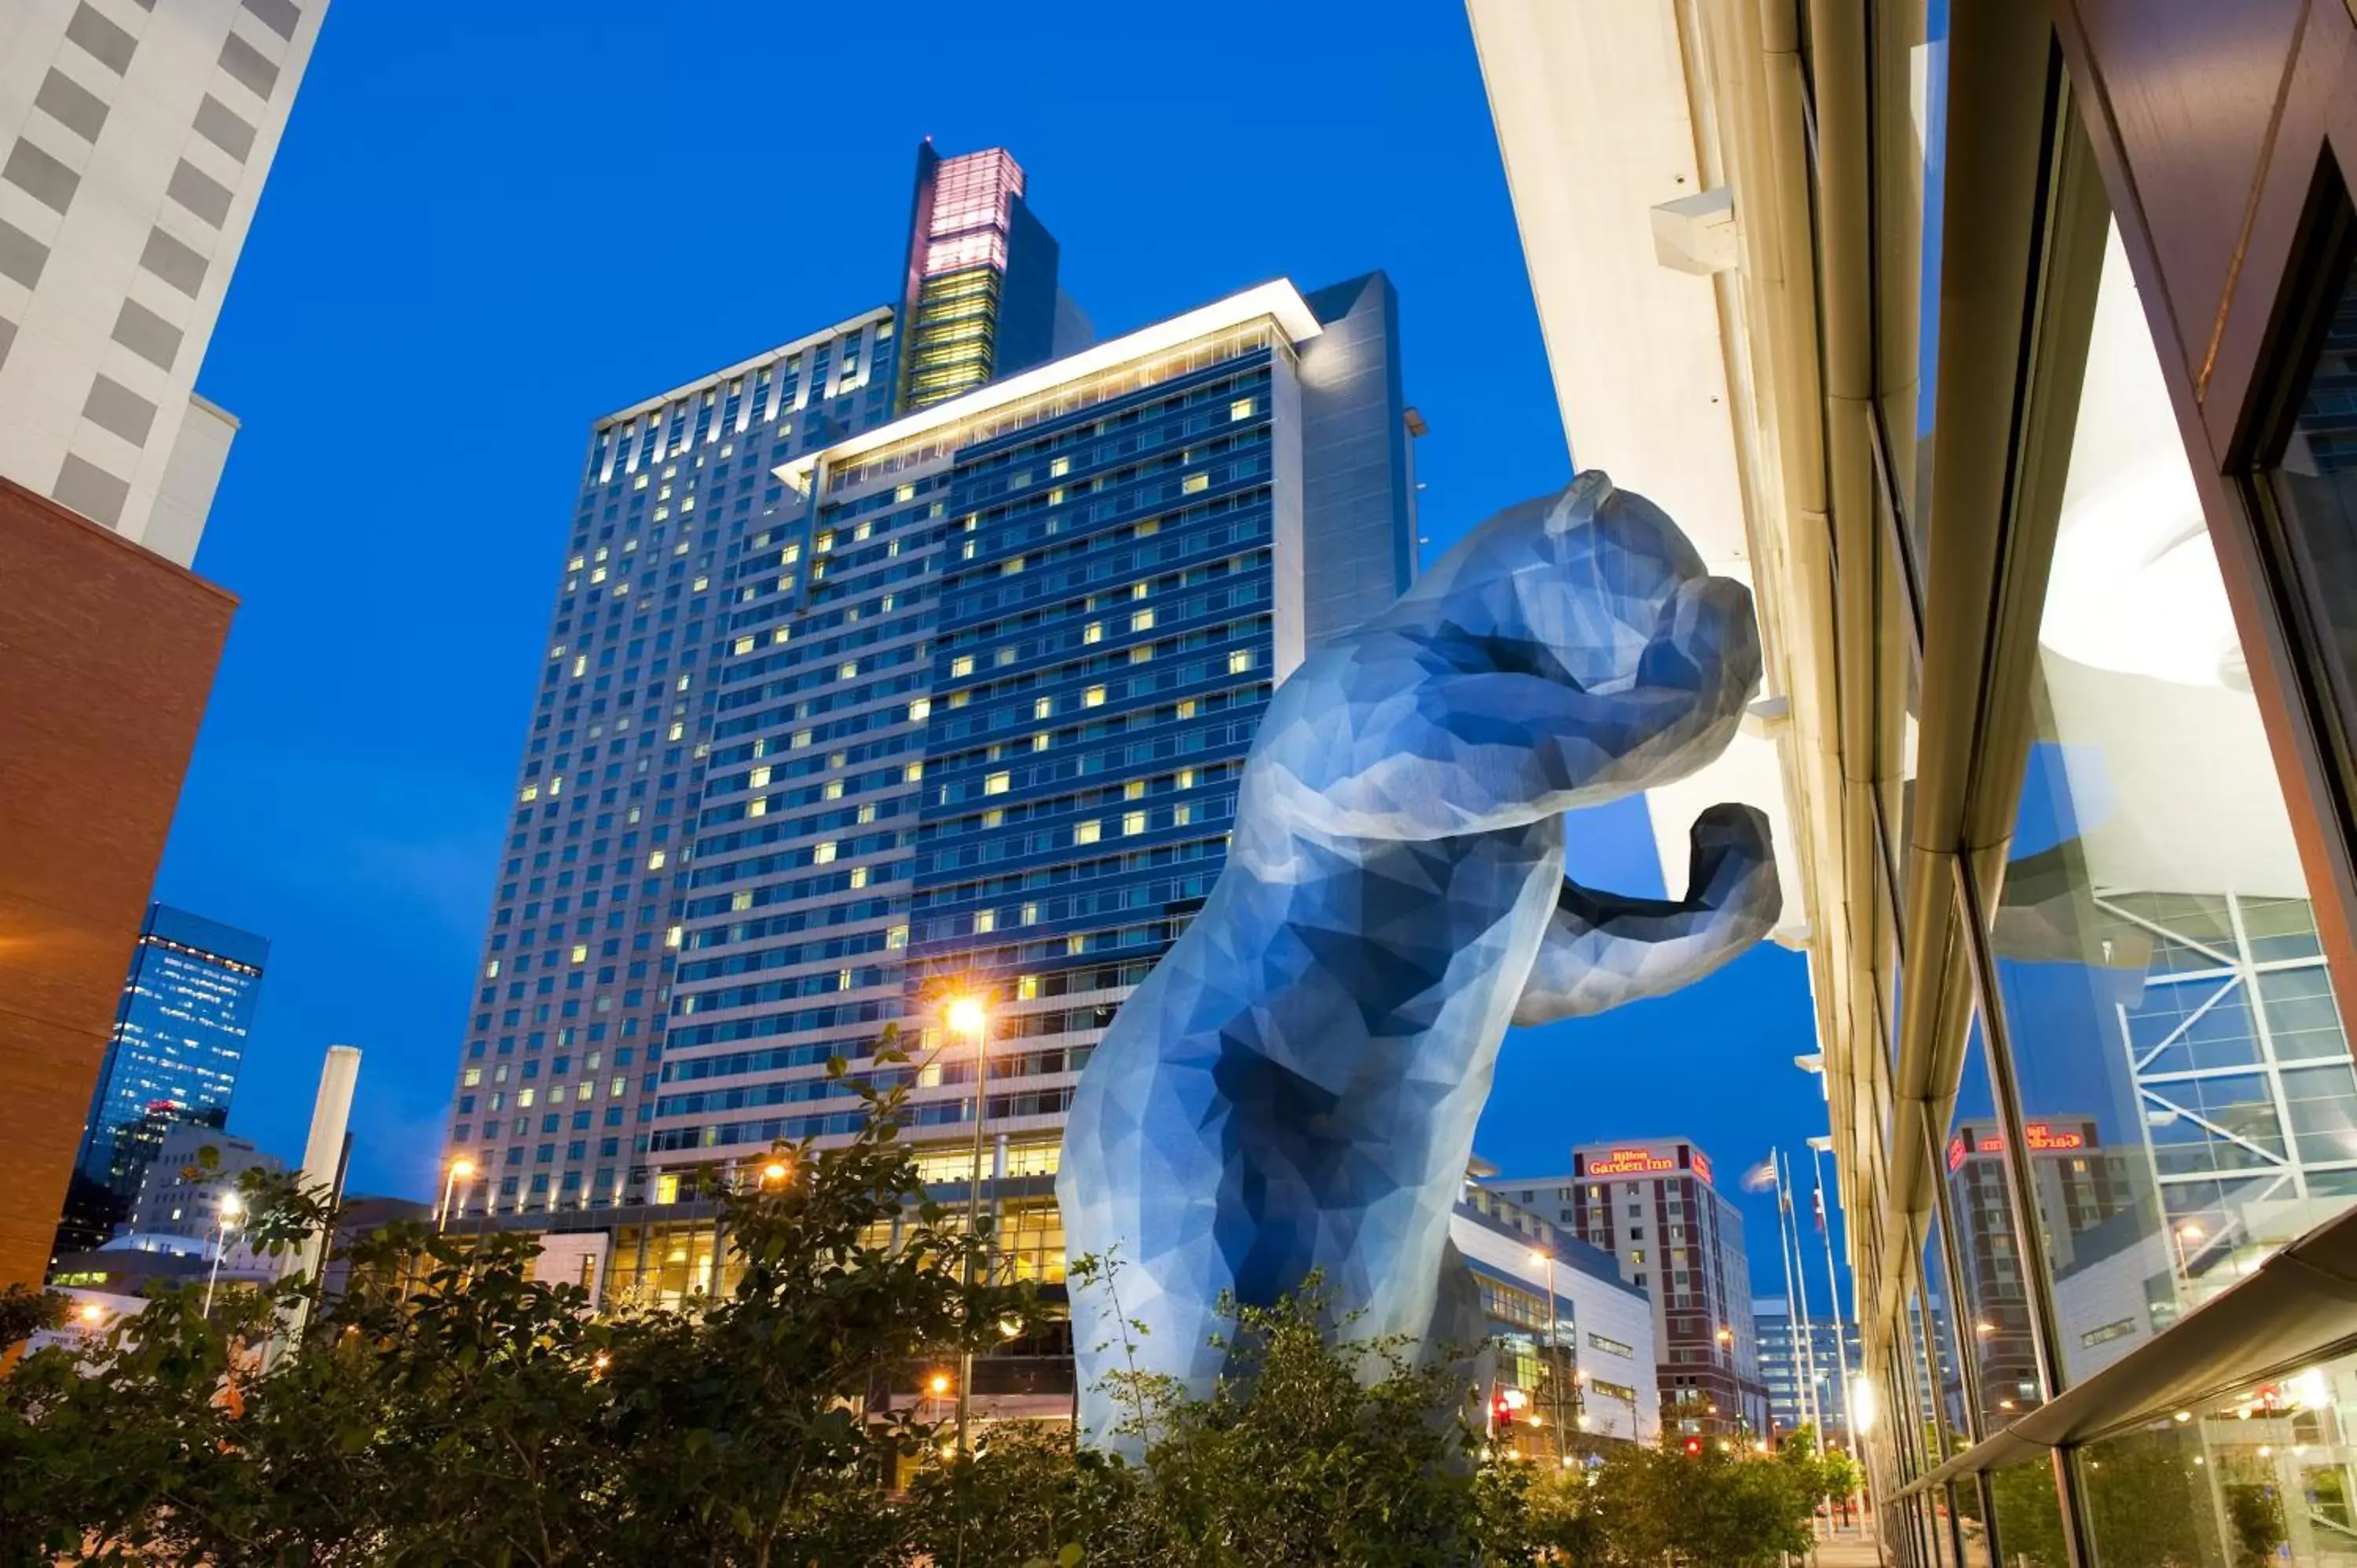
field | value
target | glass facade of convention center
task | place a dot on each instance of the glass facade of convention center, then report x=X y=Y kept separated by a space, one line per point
x=2040 y=358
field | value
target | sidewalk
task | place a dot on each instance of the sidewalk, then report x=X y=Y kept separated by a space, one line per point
x=1846 y=1551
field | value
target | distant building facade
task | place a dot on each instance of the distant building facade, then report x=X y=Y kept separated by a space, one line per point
x=981 y=299
x=180 y=1194
x=1653 y=1206
x=1789 y=1360
x=178 y=1043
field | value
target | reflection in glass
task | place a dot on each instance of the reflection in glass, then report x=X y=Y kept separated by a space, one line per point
x=2185 y=1080
x=1995 y=1314
x=2266 y=1475
x=2314 y=486
x=2028 y=1516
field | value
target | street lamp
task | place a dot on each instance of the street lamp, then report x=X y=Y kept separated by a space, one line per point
x=1554 y=1343
x=775 y=1171
x=461 y=1169
x=2181 y=1235
x=968 y=1015
x=232 y=1206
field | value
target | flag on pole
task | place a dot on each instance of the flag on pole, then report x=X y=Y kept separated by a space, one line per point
x=1818 y=1198
x=1761 y=1176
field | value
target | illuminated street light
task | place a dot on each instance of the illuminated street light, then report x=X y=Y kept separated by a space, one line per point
x=939 y=1384
x=461 y=1169
x=774 y=1171
x=91 y=1313
x=232 y=1208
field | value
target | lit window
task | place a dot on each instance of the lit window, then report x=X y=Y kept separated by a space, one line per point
x=961 y=665
x=898 y=937
x=1043 y=708
x=802 y=737
x=1027 y=986
x=474 y=1076
x=914 y=771
x=756 y=806
x=1087 y=832
x=1187 y=708
x=1132 y=822
x=531 y=792
x=655 y=860
x=1194 y=482
x=846 y=671
x=1060 y=468
x=821 y=852
x=1186 y=778
x=1142 y=621
x=1093 y=632
x=580 y=663
x=918 y=709
x=523 y=1098
x=678 y=731
x=832 y=791
x=1240 y=661
x=759 y=778
x=995 y=784
x=993 y=818
x=581 y=953
x=744 y=644
x=985 y=921
x=672 y=938
x=1094 y=697
x=1056 y=495
x=1134 y=790
x=859 y=877
x=1181 y=815
x=1241 y=409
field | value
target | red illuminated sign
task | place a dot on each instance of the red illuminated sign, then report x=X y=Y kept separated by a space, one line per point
x=2043 y=1137
x=1629 y=1162
x=1642 y=1161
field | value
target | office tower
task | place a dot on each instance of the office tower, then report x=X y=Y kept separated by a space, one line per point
x=1785 y=1372
x=980 y=296
x=179 y=1041
x=172 y=1202
x=1654 y=1207
x=984 y=710
x=138 y=137
x=133 y=142
x=565 y=1034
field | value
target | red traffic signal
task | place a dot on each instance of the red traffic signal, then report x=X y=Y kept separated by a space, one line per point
x=1501 y=1412
x=1693 y=1445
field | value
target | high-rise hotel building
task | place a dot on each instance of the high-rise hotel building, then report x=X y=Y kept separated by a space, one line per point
x=986 y=708
x=839 y=711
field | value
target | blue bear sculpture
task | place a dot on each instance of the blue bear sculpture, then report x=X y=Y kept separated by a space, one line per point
x=1295 y=1088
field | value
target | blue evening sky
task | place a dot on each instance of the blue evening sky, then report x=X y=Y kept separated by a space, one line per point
x=490 y=223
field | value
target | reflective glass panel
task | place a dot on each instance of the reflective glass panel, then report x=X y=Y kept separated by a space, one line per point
x=2314 y=487
x=2266 y=1474
x=2186 y=1083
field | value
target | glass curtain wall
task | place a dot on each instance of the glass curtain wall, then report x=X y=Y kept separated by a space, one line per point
x=2182 y=1103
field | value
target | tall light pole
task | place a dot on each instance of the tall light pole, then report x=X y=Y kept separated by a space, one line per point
x=969 y=1017
x=460 y=1170
x=1555 y=1369
x=232 y=1206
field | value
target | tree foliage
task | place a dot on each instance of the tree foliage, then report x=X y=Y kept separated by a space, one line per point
x=451 y=1407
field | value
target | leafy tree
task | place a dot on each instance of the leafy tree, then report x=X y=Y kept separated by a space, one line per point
x=27 y=1310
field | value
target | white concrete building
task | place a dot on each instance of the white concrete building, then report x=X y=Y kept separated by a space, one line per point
x=135 y=137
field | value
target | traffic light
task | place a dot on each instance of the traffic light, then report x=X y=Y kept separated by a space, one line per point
x=1501 y=1412
x=1693 y=1445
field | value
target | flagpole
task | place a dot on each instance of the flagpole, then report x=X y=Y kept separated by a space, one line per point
x=1784 y=1257
x=1801 y=1297
x=1832 y=1285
